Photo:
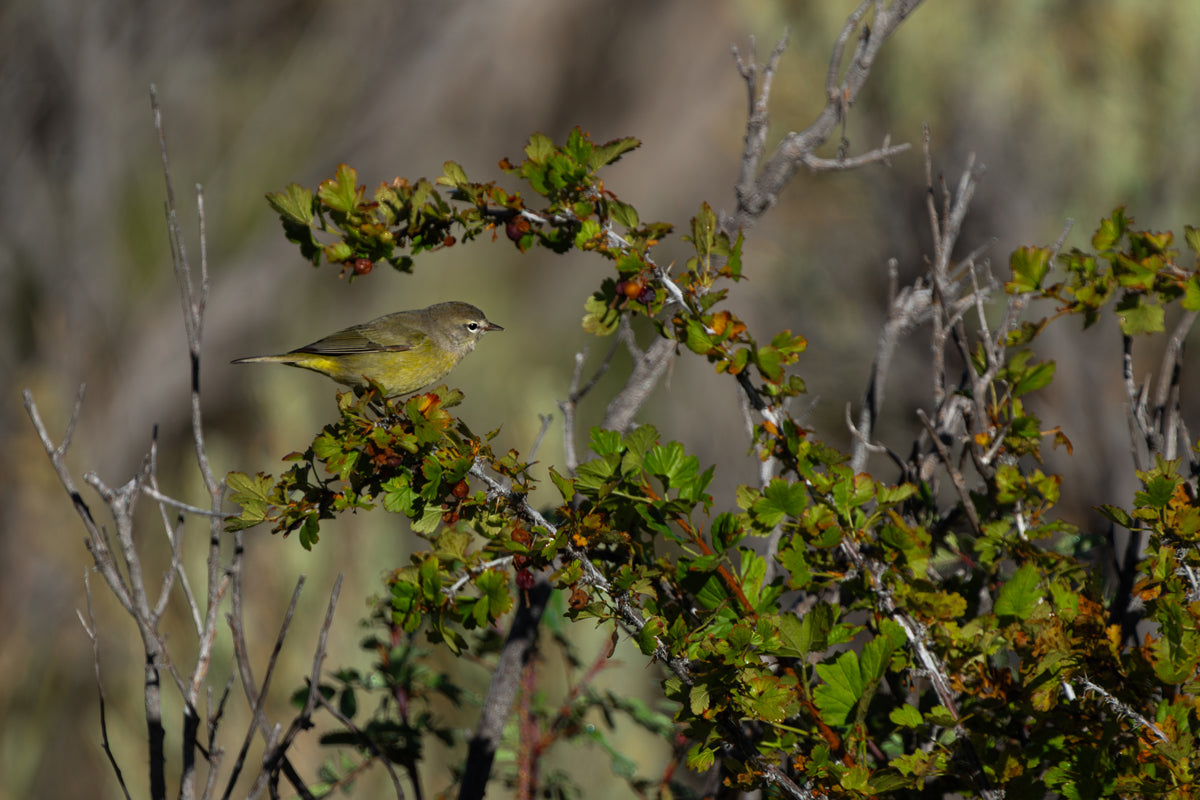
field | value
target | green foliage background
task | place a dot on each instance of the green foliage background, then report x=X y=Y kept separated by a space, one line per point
x=1075 y=107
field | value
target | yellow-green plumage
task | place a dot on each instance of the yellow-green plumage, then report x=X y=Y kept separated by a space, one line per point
x=402 y=352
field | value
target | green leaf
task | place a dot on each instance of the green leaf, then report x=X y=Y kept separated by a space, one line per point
x=698 y=699
x=841 y=690
x=1138 y=315
x=609 y=152
x=540 y=147
x=341 y=192
x=1029 y=267
x=1118 y=515
x=496 y=600
x=599 y=319
x=1020 y=596
x=672 y=465
x=294 y=204
x=589 y=233
x=1191 y=235
x=700 y=758
x=452 y=174
x=623 y=213
x=399 y=496
x=565 y=486
x=779 y=500
x=1191 y=294
x=251 y=493
x=807 y=634
x=906 y=716
x=875 y=657
x=1111 y=230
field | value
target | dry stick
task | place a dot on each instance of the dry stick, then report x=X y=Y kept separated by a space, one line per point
x=522 y=637
x=545 y=420
x=1166 y=399
x=121 y=502
x=89 y=627
x=256 y=697
x=193 y=301
x=1124 y=710
x=303 y=720
x=1139 y=428
x=909 y=308
x=756 y=113
x=956 y=477
x=575 y=393
x=646 y=374
x=757 y=195
x=216 y=752
x=130 y=592
x=97 y=543
x=366 y=741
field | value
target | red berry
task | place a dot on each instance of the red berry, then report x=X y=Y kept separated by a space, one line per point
x=516 y=227
x=525 y=580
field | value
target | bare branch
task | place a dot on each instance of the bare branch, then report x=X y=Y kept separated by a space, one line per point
x=256 y=694
x=366 y=741
x=89 y=627
x=1125 y=710
x=756 y=115
x=575 y=393
x=518 y=648
x=881 y=156
x=758 y=189
x=645 y=376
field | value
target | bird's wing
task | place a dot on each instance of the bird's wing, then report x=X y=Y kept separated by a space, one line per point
x=359 y=339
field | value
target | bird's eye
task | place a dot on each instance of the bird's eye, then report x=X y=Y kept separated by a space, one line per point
x=472 y=326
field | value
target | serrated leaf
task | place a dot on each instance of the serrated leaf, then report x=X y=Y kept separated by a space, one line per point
x=779 y=500
x=1033 y=378
x=698 y=699
x=341 y=192
x=1137 y=315
x=906 y=716
x=1020 y=595
x=1191 y=235
x=1118 y=515
x=452 y=175
x=841 y=690
x=589 y=233
x=623 y=213
x=250 y=492
x=609 y=152
x=540 y=147
x=1191 y=294
x=671 y=464
x=700 y=758
x=1111 y=230
x=565 y=486
x=294 y=203
x=1029 y=267
x=599 y=319
x=874 y=660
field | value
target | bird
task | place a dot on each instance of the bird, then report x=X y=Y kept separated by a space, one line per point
x=401 y=352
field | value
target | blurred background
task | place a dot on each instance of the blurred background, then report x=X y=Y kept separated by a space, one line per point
x=1074 y=107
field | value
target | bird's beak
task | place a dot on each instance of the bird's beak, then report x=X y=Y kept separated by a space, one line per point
x=491 y=326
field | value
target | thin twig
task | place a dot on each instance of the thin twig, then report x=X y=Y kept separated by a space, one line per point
x=366 y=741
x=255 y=694
x=89 y=627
